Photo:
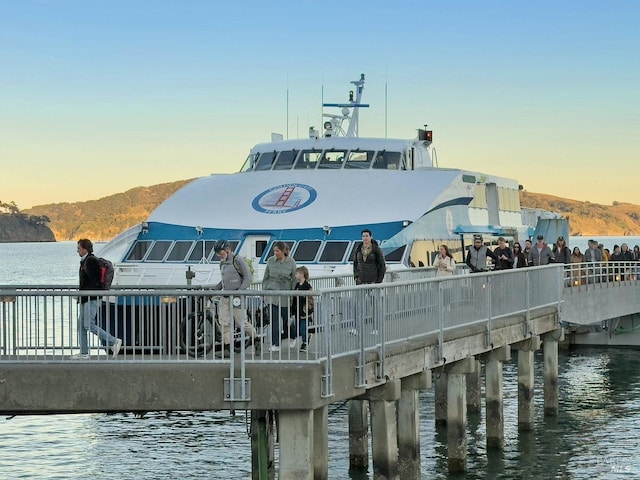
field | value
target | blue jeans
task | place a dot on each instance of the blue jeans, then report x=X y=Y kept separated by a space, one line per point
x=87 y=322
x=299 y=328
x=278 y=312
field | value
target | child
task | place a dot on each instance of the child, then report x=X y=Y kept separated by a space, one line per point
x=301 y=309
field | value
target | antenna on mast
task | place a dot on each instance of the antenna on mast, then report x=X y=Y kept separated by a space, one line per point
x=335 y=122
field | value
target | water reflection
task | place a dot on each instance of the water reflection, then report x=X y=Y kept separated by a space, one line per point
x=595 y=435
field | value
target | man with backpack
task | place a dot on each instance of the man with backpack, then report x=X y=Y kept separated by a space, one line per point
x=91 y=279
x=235 y=275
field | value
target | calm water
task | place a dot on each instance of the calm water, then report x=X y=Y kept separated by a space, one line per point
x=596 y=435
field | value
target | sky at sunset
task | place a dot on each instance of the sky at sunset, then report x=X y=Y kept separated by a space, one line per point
x=97 y=97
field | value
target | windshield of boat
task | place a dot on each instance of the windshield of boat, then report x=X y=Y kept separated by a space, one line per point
x=325 y=159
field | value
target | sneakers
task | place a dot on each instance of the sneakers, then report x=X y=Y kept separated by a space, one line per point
x=80 y=356
x=303 y=347
x=293 y=343
x=274 y=348
x=116 y=347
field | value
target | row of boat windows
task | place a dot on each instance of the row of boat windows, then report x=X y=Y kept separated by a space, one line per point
x=324 y=159
x=201 y=251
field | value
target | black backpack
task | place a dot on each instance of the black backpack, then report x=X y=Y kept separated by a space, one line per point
x=106 y=273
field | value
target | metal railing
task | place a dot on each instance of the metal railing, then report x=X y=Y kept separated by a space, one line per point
x=183 y=324
x=590 y=275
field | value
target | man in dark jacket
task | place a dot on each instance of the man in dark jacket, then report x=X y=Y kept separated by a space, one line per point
x=90 y=280
x=368 y=263
x=504 y=254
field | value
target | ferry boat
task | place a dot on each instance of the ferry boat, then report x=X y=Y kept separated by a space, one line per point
x=317 y=194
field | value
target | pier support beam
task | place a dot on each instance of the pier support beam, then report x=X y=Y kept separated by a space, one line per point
x=474 y=390
x=493 y=396
x=384 y=429
x=261 y=460
x=321 y=443
x=296 y=444
x=440 y=397
x=409 y=424
x=550 y=349
x=358 y=434
x=526 y=350
x=457 y=413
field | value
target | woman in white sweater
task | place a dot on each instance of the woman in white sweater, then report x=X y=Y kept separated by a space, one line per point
x=444 y=262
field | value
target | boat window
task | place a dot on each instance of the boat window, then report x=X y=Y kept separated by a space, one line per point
x=352 y=253
x=388 y=160
x=357 y=159
x=233 y=244
x=288 y=243
x=306 y=250
x=159 y=251
x=179 y=251
x=201 y=251
x=266 y=160
x=333 y=252
x=395 y=255
x=139 y=250
x=332 y=159
x=285 y=160
x=308 y=159
x=249 y=163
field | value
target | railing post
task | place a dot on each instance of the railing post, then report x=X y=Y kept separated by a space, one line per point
x=379 y=319
x=440 y=321
x=325 y=324
x=527 y=284
x=489 y=313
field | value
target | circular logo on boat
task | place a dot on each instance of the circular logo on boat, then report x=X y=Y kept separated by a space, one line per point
x=284 y=198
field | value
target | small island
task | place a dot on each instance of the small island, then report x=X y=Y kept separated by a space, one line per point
x=16 y=226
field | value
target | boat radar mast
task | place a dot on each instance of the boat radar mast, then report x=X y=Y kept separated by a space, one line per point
x=333 y=126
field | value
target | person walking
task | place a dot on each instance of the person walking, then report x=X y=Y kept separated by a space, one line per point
x=519 y=259
x=444 y=262
x=540 y=253
x=504 y=255
x=235 y=274
x=90 y=305
x=368 y=263
x=369 y=267
x=301 y=310
x=280 y=274
x=477 y=255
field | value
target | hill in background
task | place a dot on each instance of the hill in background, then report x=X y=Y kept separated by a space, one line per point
x=104 y=218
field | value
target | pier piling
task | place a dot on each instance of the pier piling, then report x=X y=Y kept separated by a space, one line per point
x=494 y=397
x=358 y=434
x=526 y=349
x=409 y=424
x=457 y=413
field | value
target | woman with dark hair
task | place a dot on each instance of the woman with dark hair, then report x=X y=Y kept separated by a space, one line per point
x=444 y=262
x=280 y=274
x=519 y=259
x=578 y=275
x=561 y=252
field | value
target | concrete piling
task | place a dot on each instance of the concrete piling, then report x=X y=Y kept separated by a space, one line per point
x=440 y=397
x=296 y=445
x=550 y=353
x=494 y=397
x=358 y=434
x=384 y=429
x=457 y=413
x=526 y=412
x=474 y=390
x=321 y=443
x=409 y=424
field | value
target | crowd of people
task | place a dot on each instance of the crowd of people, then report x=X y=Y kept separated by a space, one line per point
x=290 y=318
x=480 y=258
